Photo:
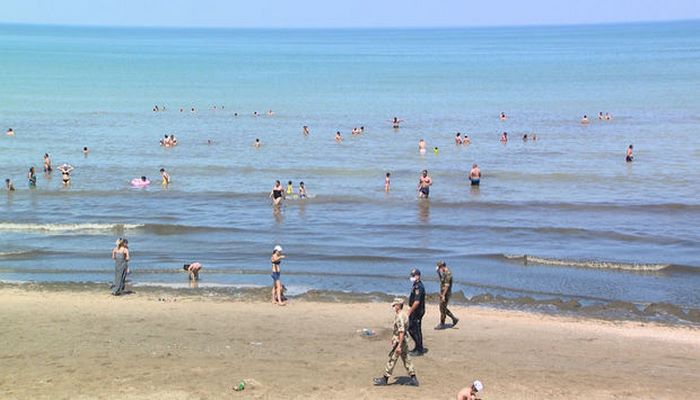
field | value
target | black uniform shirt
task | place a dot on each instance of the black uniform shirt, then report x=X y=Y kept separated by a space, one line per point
x=417 y=294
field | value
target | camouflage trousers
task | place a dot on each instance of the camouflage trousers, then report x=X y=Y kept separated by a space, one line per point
x=393 y=358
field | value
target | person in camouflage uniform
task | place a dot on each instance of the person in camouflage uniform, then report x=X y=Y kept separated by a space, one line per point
x=399 y=349
x=445 y=276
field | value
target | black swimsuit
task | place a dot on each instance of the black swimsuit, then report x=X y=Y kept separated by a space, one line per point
x=276 y=194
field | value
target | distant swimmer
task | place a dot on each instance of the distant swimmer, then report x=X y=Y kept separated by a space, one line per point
x=469 y=393
x=65 y=171
x=305 y=130
x=181 y=109
x=608 y=117
x=504 y=137
x=475 y=175
x=10 y=132
x=86 y=151
x=458 y=138
x=421 y=146
x=9 y=186
x=270 y=112
x=396 y=122
x=629 y=157
x=192 y=270
x=503 y=116
x=387 y=182
x=424 y=184
x=436 y=150
x=155 y=108
x=600 y=116
x=257 y=143
x=165 y=177
x=585 y=120
x=173 y=141
x=192 y=110
x=31 y=177
x=165 y=141
x=534 y=137
x=302 y=190
x=466 y=140
x=47 y=164
x=290 y=188
x=355 y=131
x=140 y=182
x=277 y=193
x=525 y=137
x=338 y=137
x=362 y=129
x=255 y=113
x=235 y=114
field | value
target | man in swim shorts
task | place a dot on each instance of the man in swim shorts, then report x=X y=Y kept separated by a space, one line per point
x=629 y=157
x=475 y=175
x=424 y=183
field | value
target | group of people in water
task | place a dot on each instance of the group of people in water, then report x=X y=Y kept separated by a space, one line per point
x=279 y=193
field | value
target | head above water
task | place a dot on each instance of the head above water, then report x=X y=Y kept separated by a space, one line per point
x=162 y=170
x=425 y=172
x=144 y=179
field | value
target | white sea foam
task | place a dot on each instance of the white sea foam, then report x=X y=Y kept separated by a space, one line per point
x=64 y=228
x=589 y=263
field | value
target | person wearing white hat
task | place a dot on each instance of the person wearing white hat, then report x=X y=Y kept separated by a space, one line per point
x=469 y=393
x=276 y=259
x=399 y=343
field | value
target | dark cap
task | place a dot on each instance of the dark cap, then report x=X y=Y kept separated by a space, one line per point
x=415 y=271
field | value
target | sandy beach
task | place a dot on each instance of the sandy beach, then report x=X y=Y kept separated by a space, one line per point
x=88 y=344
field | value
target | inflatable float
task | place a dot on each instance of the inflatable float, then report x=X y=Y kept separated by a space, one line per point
x=140 y=182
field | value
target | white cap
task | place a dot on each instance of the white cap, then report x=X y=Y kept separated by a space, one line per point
x=277 y=248
x=478 y=386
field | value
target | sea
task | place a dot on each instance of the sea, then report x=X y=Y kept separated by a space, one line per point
x=559 y=224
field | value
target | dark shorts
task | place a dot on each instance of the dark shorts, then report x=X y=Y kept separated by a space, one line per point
x=475 y=182
x=628 y=159
x=425 y=191
x=275 y=276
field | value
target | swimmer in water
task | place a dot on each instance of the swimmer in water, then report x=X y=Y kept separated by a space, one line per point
x=436 y=150
x=255 y=113
x=424 y=184
x=305 y=130
x=193 y=270
x=458 y=138
x=421 y=146
x=387 y=182
x=290 y=188
x=338 y=137
x=10 y=132
x=165 y=177
x=165 y=141
x=235 y=114
x=503 y=116
x=629 y=157
x=47 y=164
x=600 y=116
x=525 y=137
x=192 y=110
x=302 y=190
x=475 y=175
x=269 y=112
x=85 y=151
x=257 y=143
x=466 y=141
x=31 y=177
x=608 y=117
x=395 y=123
x=173 y=141
x=9 y=186
x=504 y=137
x=585 y=120
x=534 y=137
x=65 y=171
x=277 y=193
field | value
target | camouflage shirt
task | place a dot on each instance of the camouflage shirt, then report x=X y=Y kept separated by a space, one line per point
x=400 y=324
x=446 y=280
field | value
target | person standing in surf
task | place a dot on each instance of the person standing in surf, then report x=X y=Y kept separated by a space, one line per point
x=424 y=183
x=120 y=255
x=276 y=260
x=277 y=194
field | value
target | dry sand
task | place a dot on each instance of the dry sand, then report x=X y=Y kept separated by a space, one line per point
x=62 y=345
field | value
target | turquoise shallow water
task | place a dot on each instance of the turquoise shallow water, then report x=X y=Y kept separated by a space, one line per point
x=595 y=228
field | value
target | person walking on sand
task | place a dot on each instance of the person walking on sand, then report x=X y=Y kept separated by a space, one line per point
x=399 y=347
x=424 y=184
x=416 y=302
x=276 y=260
x=469 y=393
x=445 y=277
x=120 y=255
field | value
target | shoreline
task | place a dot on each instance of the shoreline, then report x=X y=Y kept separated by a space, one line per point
x=85 y=344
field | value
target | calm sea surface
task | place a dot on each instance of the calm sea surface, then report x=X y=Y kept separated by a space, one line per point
x=594 y=228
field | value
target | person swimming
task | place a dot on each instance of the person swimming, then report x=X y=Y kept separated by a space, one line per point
x=338 y=137
x=421 y=146
x=466 y=141
x=504 y=137
x=85 y=151
x=9 y=186
x=503 y=116
x=305 y=130
x=458 y=138
x=436 y=150
x=387 y=182
x=290 y=188
x=165 y=177
x=302 y=190
x=525 y=137
x=475 y=175
x=10 y=132
x=257 y=143
x=585 y=120
x=629 y=157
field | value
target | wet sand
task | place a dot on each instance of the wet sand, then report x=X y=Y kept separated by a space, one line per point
x=75 y=344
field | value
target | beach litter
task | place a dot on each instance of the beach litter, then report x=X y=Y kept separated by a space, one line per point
x=247 y=383
x=366 y=332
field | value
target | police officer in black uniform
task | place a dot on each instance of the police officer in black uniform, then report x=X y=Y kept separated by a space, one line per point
x=416 y=303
